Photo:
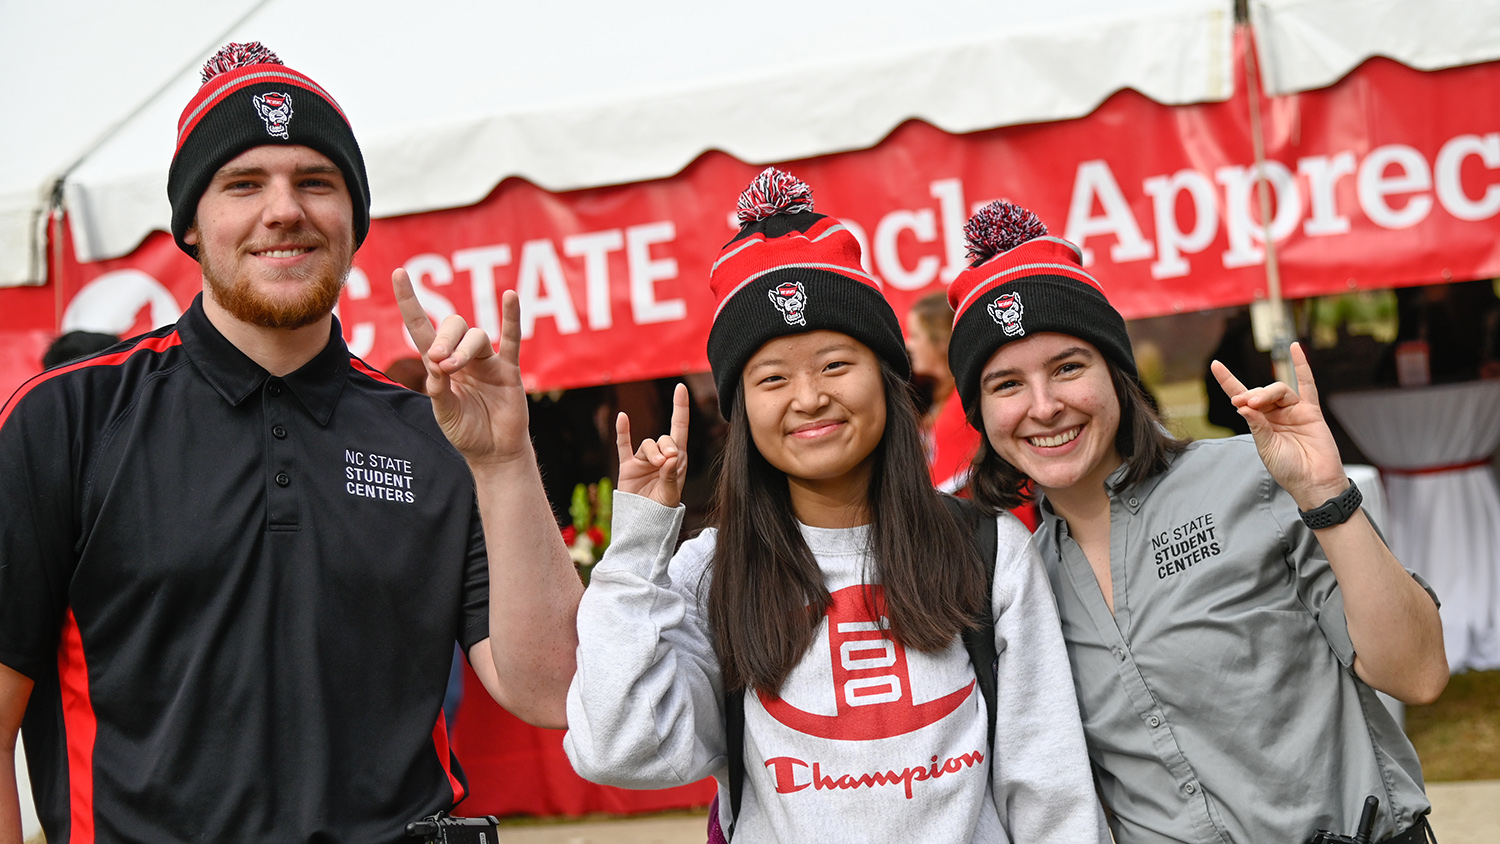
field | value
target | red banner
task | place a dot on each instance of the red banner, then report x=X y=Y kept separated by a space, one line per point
x=1386 y=179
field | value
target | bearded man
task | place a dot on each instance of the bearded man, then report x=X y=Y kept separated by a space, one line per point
x=234 y=559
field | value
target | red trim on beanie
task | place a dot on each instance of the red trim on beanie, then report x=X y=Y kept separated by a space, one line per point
x=218 y=87
x=826 y=245
x=1041 y=256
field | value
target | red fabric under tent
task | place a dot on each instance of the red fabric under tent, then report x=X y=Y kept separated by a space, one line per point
x=516 y=769
x=1387 y=178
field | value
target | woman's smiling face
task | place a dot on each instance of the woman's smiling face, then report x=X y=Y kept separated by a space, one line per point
x=816 y=407
x=1050 y=410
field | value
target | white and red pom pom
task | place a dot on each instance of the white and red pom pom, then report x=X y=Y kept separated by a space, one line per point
x=1000 y=227
x=235 y=55
x=774 y=192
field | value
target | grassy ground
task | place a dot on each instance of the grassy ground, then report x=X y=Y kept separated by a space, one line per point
x=1458 y=738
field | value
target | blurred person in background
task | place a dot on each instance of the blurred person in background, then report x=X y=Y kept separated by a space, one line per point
x=74 y=345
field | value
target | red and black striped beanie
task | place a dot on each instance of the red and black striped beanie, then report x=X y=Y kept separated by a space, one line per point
x=1022 y=282
x=790 y=270
x=249 y=98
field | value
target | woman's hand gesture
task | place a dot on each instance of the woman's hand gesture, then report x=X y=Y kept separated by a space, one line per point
x=656 y=469
x=1290 y=432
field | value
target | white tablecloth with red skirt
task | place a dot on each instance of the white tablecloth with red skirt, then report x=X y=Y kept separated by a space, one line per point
x=1433 y=446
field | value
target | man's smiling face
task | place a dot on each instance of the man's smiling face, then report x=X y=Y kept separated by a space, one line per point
x=275 y=236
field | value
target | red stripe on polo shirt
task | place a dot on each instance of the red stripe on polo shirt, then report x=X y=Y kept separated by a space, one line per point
x=440 y=743
x=81 y=727
x=150 y=344
x=361 y=366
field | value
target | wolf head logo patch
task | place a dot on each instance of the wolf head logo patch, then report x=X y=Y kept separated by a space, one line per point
x=1006 y=310
x=791 y=300
x=276 y=110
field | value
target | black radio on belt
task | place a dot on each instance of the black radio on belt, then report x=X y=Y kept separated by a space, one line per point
x=1361 y=835
x=445 y=829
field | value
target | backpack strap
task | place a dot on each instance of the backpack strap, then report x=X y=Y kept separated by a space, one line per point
x=734 y=735
x=980 y=641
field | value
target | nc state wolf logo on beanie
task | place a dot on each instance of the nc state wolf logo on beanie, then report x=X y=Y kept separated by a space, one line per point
x=246 y=101
x=275 y=109
x=791 y=270
x=1014 y=259
x=790 y=299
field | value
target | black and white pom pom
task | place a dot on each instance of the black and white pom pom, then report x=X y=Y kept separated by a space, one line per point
x=774 y=192
x=236 y=55
x=1000 y=227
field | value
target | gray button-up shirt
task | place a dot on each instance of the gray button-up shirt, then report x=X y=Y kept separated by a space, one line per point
x=1219 y=699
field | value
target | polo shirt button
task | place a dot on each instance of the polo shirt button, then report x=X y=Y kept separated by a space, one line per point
x=274 y=388
x=1154 y=721
x=1190 y=788
x=279 y=432
x=283 y=479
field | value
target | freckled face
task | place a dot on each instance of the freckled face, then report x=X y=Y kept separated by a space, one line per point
x=816 y=406
x=1051 y=411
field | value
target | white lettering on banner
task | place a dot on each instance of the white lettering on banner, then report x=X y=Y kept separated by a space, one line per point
x=1448 y=169
x=109 y=304
x=594 y=248
x=543 y=289
x=425 y=270
x=1375 y=186
x=1171 y=241
x=361 y=335
x=950 y=196
x=1323 y=174
x=481 y=262
x=1096 y=181
x=1242 y=228
x=645 y=271
x=923 y=224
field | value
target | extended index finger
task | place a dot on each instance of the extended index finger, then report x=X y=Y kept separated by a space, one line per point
x=1231 y=385
x=622 y=439
x=680 y=415
x=412 y=313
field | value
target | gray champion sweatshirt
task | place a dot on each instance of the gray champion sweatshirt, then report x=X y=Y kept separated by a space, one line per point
x=869 y=741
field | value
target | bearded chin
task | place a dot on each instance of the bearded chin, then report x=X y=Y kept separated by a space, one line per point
x=319 y=293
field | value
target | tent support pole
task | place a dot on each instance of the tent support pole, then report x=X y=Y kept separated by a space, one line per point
x=1281 y=332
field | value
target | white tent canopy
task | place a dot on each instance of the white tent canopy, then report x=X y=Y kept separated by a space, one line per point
x=448 y=97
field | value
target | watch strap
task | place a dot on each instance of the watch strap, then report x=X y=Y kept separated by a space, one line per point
x=1334 y=511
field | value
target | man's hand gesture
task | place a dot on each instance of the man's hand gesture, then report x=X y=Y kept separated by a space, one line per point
x=476 y=390
x=656 y=469
x=1290 y=432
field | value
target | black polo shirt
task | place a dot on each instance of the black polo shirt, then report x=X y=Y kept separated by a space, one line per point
x=237 y=594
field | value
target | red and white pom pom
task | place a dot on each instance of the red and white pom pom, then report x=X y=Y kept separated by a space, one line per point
x=1000 y=227
x=236 y=55
x=774 y=192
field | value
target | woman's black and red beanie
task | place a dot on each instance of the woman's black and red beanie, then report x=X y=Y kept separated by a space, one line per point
x=791 y=270
x=1022 y=282
x=250 y=98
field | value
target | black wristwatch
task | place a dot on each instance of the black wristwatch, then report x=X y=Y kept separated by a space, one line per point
x=1335 y=511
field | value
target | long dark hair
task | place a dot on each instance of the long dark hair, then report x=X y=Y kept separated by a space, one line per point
x=1142 y=442
x=767 y=596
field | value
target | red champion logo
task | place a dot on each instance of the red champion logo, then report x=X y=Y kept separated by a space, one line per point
x=871 y=683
